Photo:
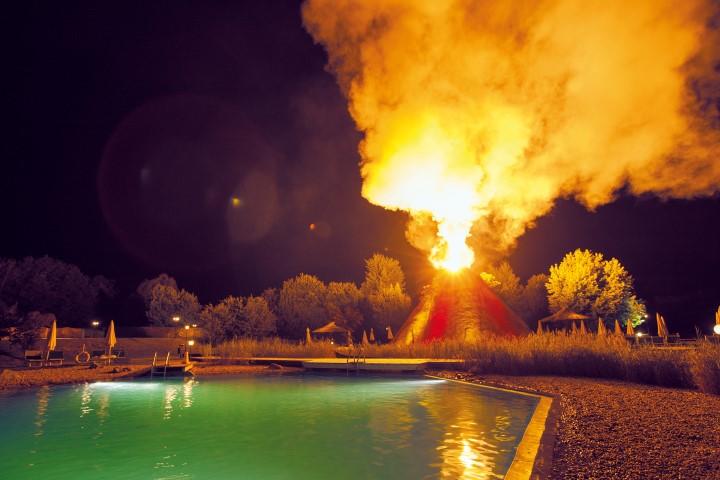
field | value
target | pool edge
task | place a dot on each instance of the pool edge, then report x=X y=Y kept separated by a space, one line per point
x=533 y=456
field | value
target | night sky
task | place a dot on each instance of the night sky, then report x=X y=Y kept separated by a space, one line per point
x=202 y=139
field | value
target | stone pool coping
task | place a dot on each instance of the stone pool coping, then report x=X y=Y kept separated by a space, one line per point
x=533 y=456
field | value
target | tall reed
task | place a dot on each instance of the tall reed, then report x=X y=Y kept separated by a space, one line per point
x=609 y=356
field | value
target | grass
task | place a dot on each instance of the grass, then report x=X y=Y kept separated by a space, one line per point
x=608 y=357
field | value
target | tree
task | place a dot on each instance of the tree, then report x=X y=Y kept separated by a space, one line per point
x=384 y=292
x=301 y=304
x=249 y=317
x=146 y=286
x=534 y=303
x=529 y=300
x=342 y=303
x=48 y=285
x=259 y=320
x=632 y=310
x=214 y=319
x=167 y=302
x=505 y=284
x=586 y=283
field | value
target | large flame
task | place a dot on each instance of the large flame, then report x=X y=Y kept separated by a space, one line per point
x=478 y=115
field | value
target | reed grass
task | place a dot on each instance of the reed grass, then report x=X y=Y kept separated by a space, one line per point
x=608 y=357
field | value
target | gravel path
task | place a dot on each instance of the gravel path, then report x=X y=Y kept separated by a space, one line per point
x=617 y=430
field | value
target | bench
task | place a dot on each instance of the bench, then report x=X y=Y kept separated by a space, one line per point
x=34 y=356
x=55 y=357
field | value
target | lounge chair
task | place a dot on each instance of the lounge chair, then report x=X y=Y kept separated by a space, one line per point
x=55 y=357
x=96 y=354
x=34 y=357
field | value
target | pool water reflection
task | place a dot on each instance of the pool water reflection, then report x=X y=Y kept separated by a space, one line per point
x=292 y=427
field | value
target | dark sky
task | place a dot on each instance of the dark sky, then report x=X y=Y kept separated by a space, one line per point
x=134 y=125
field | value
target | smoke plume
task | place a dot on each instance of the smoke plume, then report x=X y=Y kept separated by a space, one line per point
x=477 y=115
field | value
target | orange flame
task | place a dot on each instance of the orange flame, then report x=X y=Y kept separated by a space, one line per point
x=478 y=115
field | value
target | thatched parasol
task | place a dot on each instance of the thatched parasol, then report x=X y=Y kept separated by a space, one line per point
x=601 y=330
x=618 y=330
x=629 y=328
x=583 y=330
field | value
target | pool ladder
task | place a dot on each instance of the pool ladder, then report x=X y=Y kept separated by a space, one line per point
x=154 y=365
x=356 y=357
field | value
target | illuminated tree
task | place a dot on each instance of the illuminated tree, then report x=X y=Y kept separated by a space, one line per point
x=215 y=320
x=529 y=300
x=586 y=283
x=258 y=320
x=342 y=302
x=505 y=283
x=301 y=304
x=167 y=302
x=384 y=292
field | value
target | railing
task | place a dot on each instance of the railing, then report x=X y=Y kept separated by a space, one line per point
x=357 y=355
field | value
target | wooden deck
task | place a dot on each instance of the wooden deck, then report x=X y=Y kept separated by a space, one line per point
x=380 y=365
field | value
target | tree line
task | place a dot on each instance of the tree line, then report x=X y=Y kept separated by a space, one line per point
x=301 y=302
x=584 y=282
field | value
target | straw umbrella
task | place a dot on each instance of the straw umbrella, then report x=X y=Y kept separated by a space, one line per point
x=52 y=338
x=308 y=338
x=717 y=322
x=110 y=337
x=661 y=326
x=365 y=339
x=539 y=329
x=601 y=330
x=390 y=336
x=372 y=335
x=618 y=330
x=583 y=330
x=629 y=329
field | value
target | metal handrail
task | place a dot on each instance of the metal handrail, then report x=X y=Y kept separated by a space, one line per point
x=167 y=361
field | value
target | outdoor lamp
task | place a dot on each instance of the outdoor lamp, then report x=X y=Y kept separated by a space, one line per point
x=176 y=318
x=716 y=329
x=191 y=342
x=187 y=327
x=95 y=323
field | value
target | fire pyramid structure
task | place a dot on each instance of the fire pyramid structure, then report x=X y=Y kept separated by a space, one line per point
x=461 y=308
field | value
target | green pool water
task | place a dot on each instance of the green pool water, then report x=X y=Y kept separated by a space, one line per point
x=279 y=427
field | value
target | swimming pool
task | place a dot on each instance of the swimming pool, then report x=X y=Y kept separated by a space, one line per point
x=264 y=427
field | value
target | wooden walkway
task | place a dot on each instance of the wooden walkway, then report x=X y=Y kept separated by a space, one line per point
x=381 y=365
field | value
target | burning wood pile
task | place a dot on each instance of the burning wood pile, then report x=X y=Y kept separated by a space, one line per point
x=459 y=307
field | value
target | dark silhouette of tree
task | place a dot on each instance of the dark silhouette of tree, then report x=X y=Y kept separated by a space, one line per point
x=48 y=285
x=146 y=286
x=167 y=302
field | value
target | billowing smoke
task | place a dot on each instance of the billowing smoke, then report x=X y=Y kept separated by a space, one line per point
x=477 y=115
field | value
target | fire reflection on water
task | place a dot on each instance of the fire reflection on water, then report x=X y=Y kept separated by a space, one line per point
x=474 y=432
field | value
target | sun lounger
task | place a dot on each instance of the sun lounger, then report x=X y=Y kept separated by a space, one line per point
x=34 y=357
x=55 y=357
x=95 y=354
